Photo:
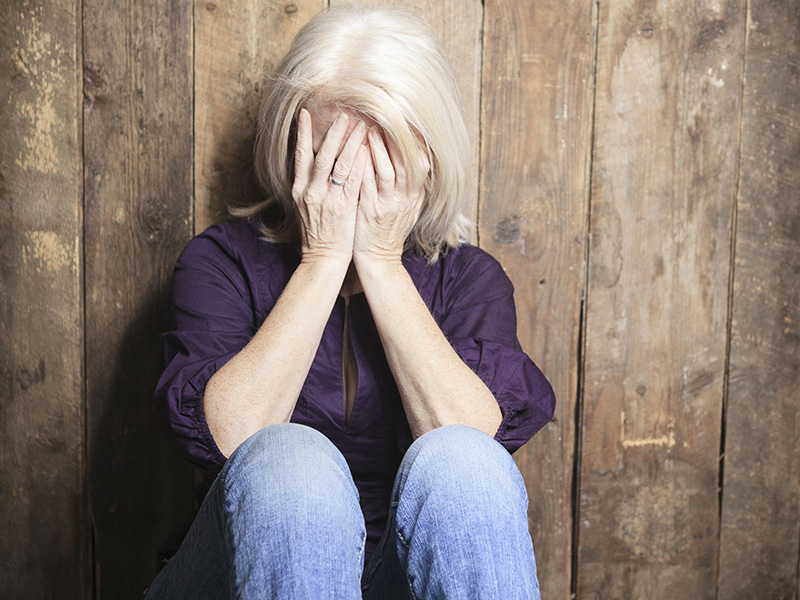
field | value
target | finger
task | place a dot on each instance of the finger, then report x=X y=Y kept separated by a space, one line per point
x=303 y=152
x=345 y=162
x=328 y=151
x=356 y=176
x=400 y=174
x=383 y=164
x=369 y=189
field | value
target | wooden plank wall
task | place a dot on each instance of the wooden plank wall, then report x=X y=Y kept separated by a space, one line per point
x=761 y=492
x=662 y=201
x=137 y=144
x=635 y=170
x=535 y=147
x=44 y=529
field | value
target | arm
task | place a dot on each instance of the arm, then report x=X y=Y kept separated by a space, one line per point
x=260 y=385
x=436 y=386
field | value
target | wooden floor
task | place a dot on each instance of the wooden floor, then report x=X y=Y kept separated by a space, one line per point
x=636 y=170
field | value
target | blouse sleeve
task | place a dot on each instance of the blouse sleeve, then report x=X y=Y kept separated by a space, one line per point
x=480 y=322
x=212 y=319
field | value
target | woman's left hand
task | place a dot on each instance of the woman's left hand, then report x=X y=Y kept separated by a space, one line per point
x=388 y=207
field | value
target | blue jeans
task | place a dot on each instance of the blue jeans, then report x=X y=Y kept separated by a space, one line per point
x=282 y=520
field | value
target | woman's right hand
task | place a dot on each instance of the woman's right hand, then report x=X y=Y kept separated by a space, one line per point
x=326 y=212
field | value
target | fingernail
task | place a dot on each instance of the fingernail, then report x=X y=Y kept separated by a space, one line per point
x=342 y=117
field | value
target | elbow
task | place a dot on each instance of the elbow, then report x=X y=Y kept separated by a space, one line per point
x=232 y=418
x=221 y=426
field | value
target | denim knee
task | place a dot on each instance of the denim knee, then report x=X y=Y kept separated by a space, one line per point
x=290 y=514
x=461 y=518
x=293 y=470
x=458 y=461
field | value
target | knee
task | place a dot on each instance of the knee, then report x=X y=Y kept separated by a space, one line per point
x=458 y=461
x=292 y=466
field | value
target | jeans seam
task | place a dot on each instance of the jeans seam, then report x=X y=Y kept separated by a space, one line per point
x=411 y=589
x=402 y=540
x=361 y=552
x=224 y=516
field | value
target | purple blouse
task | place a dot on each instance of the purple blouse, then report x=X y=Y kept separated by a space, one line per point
x=228 y=279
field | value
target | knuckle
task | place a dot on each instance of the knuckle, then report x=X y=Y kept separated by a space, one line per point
x=321 y=162
x=305 y=197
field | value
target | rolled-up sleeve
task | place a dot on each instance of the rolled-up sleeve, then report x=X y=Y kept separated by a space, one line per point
x=212 y=319
x=480 y=322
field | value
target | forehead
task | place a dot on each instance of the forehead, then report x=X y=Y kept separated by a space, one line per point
x=324 y=114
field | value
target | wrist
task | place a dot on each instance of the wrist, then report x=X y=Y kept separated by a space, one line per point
x=378 y=268
x=332 y=264
x=373 y=259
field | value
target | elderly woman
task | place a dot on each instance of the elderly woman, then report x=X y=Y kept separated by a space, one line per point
x=342 y=361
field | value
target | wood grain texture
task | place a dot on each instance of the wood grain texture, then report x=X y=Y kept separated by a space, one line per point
x=458 y=24
x=138 y=177
x=536 y=128
x=668 y=88
x=77 y=435
x=237 y=42
x=43 y=530
x=760 y=535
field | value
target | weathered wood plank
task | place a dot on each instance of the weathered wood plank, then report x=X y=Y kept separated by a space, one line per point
x=760 y=529
x=668 y=86
x=138 y=156
x=236 y=43
x=536 y=127
x=458 y=24
x=43 y=532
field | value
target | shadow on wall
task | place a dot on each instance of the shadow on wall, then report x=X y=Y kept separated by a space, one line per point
x=140 y=488
x=142 y=493
x=228 y=176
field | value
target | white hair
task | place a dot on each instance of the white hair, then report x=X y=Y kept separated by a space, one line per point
x=388 y=65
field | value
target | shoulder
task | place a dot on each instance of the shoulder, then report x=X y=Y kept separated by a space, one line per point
x=233 y=253
x=467 y=257
x=238 y=244
x=464 y=274
x=461 y=259
x=468 y=266
x=228 y=240
x=217 y=258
